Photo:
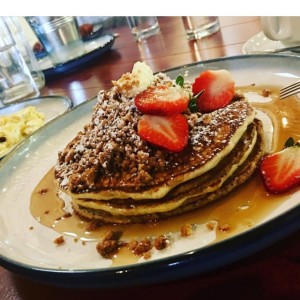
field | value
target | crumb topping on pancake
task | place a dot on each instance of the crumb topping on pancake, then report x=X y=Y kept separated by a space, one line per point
x=115 y=174
x=109 y=154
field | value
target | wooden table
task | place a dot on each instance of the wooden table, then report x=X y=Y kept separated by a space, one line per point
x=270 y=274
x=168 y=49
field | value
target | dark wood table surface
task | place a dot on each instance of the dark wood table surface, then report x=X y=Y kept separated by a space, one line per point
x=273 y=273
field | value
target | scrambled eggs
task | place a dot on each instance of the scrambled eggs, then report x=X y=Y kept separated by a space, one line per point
x=15 y=127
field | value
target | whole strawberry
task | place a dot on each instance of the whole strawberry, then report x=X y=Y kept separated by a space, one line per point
x=281 y=170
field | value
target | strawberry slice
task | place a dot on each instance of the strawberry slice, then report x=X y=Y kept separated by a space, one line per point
x=281 y=171
x=162 y=100
x=218 y=89
x=169 y=132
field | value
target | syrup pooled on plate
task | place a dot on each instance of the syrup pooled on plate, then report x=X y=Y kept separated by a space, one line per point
x=240 y=210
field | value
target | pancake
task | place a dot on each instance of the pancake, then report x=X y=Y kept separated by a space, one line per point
x=108 y=161
x=230 y=173
x=114 y=176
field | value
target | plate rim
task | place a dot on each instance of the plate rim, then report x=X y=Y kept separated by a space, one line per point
x=172 y=268
x=171 y=265
x=234 y=57
x=28 y=100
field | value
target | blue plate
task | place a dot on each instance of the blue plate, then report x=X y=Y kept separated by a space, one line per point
x=95 y=47
x=32 y=253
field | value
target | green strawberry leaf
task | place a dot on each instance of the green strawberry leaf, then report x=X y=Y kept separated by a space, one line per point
x=180 y=80
x=193 y=102
x=289 y=142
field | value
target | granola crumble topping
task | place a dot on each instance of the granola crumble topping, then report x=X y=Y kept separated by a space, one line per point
x=109 y=152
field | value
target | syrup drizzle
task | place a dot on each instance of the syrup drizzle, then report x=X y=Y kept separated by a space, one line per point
x=235 y=213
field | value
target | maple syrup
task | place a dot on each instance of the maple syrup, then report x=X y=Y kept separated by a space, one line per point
x=238 y=211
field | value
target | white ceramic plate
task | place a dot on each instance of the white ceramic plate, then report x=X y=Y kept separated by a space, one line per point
x=50 y=106
x=33 y=253
x=259 y=42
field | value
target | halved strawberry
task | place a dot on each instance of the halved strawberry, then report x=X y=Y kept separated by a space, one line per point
x=281 y=171
x=218 y=89
x=169 y=132
x=162 y=100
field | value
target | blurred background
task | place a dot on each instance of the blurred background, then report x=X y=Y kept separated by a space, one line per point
x=105 y=23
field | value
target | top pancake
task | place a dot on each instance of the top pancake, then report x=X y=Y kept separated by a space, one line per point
x=109 y=160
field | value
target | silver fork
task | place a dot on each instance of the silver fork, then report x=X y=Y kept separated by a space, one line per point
x=289 y=90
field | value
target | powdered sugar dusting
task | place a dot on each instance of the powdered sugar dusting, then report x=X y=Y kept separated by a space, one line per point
x=109 y=153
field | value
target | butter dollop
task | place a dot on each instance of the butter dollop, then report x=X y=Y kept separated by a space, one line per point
x=131 y=84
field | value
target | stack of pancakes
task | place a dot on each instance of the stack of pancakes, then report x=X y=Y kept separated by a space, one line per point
x=113 y=176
